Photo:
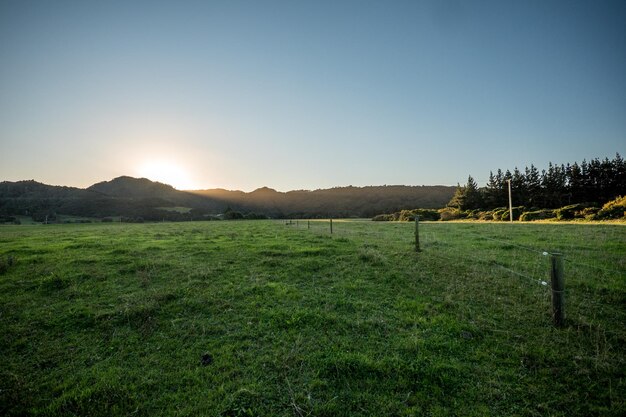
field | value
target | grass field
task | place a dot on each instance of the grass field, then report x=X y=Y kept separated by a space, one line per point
x=261 y=318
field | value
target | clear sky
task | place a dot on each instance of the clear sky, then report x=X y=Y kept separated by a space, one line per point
x=306 y=94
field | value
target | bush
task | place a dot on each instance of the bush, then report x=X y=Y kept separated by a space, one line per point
x=471 y=214
x=394 y=217
x=485 y=215
x=424 y=214
x=614 y=209
x=449 y=213
x=428 y=214
x=382 y=218
x=588 y=213
x=496 y=214
x=408 y=215
x=530 y=216
x=505 y=216
x=569 y=212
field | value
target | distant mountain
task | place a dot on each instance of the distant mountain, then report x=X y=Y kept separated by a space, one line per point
x=142 y=188
x=124 y=196
x=129 y=187
x=149 y=200
x=337 y=202
x=33 y=189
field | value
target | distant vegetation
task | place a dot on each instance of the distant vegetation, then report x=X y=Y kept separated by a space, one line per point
x=343 y=202
x=138 y=200
x=594 y=190
x=589 y=190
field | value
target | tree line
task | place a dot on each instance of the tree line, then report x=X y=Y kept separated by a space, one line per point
x=594 y=183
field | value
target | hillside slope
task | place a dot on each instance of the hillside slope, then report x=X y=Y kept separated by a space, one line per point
x=140 y=197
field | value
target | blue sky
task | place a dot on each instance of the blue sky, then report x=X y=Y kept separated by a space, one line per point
x=305 y=95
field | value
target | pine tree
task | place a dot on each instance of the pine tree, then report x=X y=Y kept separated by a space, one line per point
x=473 y=197
x=519 y=193
x=468 y=197
x=533 y=186
x=458 y=199
x=618 y=185
x=491 y=192
x=575 y=183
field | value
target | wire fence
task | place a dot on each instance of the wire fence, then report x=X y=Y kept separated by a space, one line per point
x=510 y=257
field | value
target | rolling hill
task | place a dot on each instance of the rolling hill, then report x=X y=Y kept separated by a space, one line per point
x=141 y=198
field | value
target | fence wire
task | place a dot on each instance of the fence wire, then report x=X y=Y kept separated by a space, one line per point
x=494 y=250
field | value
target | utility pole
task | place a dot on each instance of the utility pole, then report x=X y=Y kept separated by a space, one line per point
x=510 y=201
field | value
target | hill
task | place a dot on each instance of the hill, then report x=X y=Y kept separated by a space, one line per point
x=141 y=198
x=337 y=202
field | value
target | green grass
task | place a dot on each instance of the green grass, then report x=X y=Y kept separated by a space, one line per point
x=117 y=319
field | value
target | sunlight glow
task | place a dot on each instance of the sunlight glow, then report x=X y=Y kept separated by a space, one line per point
x=167 y=173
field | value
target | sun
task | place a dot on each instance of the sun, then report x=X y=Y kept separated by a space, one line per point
x=168 y=173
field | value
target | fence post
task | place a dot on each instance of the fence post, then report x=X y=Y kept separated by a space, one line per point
x=331 y=226
x=558 y=289
x=417 y=234
x=308 y=224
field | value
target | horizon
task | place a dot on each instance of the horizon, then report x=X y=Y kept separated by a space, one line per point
x=227 y=189
x=290 y=96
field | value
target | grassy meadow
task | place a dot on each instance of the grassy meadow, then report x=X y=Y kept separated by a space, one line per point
x=263 y=318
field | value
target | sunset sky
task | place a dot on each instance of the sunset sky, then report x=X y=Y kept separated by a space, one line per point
x=305 y=95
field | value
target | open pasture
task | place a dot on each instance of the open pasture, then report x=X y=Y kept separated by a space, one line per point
x=249 y=318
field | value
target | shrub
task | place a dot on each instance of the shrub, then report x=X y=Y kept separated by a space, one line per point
x=394 y=216
x=427 y=214
x=614 y=209
x=424 y=214
x=496 y=214
x=382 y=218
x=569 y=212
x=530 y=216
x=485 y=215
x=450 y=213
x=588 y=213
x=471 y=214
x=408 y=215
x=517 y=212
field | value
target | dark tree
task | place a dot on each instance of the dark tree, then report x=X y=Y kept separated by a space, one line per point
x=468 y=197
x=519 y=192
x=532 y=181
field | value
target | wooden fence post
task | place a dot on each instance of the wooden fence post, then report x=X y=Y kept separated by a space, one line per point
x=331 y=226
x=308 y=224
x=417 y=234
x=558 y=289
